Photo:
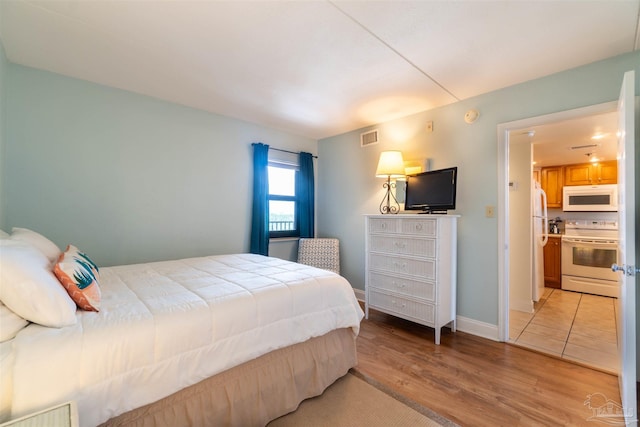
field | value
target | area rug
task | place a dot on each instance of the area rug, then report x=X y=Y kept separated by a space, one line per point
x=355 y=401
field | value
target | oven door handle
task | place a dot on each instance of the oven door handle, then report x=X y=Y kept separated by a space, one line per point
x=595 y=242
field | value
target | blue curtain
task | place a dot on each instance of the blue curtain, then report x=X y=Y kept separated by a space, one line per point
x=305 y=193
x=260 y=209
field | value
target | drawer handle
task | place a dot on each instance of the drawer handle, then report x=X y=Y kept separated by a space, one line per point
x=418 y=227
x=383 y=225
x=400 y=266
x=399 y=285
x=400 y=245
x=394 y=302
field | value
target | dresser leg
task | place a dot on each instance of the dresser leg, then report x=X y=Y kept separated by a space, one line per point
x=438 y=336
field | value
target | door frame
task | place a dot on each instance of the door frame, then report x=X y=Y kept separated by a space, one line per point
x=503 y=194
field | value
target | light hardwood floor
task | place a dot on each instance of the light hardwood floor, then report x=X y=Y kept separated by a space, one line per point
x=478 y=382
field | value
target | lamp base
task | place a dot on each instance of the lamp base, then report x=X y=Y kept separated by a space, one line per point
x=389 y=204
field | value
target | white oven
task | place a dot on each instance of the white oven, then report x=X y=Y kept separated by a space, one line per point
x=590 y=198
x=589 y=248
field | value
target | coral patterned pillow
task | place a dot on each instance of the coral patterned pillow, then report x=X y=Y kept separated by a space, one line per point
x=79 y=276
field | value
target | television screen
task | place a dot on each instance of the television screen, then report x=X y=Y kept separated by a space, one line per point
x=433 y=191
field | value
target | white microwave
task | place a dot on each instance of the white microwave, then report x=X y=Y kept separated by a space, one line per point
x=590 y=198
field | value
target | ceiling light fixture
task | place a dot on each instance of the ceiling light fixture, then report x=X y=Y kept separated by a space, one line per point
x=593 y=159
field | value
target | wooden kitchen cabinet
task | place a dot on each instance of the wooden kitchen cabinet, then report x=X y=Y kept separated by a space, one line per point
x=552 y=182
x=552 y=262
x=608 y=172
x=591 y=174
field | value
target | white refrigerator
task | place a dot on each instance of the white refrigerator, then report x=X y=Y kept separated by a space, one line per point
x=540 y=236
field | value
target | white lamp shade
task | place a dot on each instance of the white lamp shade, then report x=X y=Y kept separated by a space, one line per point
x=390 y=165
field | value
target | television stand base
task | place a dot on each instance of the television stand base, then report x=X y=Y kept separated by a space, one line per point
x=434 y=212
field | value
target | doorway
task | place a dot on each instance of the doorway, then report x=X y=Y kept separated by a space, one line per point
x=514 y=137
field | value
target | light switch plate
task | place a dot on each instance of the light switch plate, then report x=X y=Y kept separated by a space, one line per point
x=429 y=126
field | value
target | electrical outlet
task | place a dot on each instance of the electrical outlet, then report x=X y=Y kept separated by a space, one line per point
x=489 y=211
x=429 y=126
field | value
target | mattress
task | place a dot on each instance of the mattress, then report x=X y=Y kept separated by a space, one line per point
x=167 y=325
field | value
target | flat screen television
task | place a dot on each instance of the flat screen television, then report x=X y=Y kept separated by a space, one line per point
x=432 y=191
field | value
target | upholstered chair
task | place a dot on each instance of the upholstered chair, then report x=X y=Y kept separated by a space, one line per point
x=322 y=253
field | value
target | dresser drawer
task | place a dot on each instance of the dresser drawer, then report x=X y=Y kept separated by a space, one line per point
x=402 y=306
x=419 y=227
x=423 y=268
x=384 y=225
x=403 y=245
x=401 y=285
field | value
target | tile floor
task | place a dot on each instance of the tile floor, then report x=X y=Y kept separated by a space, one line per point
x=570 y=325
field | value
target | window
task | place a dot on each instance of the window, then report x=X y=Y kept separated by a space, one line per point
x=282 y=201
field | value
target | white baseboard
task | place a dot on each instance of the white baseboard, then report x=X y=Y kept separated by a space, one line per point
x=478 y=328
x=521 y=305
x=464 y=324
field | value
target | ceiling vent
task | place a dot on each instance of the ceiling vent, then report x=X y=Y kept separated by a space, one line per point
x=579 y=147
x=369 y=138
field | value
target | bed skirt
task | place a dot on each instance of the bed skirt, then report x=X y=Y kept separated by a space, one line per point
x=256 y=392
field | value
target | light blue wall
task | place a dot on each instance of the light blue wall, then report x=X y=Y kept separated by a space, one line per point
x=125 y=177
x=347 y=188
x=129 y=178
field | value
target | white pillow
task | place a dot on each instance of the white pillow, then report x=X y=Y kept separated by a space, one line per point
x=29 y=288
x=4 y=235
x=10 y=323
x=38 y=241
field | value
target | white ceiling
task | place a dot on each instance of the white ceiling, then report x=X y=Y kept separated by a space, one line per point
x=314 y=68
x=572 y=141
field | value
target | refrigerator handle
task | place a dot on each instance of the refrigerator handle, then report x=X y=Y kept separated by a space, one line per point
x=545 y=226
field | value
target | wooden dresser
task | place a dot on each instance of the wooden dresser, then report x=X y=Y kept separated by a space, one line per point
x=411 y=268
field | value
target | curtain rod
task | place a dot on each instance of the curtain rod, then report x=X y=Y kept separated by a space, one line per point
x=284 y=151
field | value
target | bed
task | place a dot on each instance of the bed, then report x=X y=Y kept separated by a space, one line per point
x=220 y=340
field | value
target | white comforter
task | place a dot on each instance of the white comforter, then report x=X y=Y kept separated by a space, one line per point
x=166 y=325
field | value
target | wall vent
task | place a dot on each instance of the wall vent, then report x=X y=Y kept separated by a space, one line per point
x=369 y=138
